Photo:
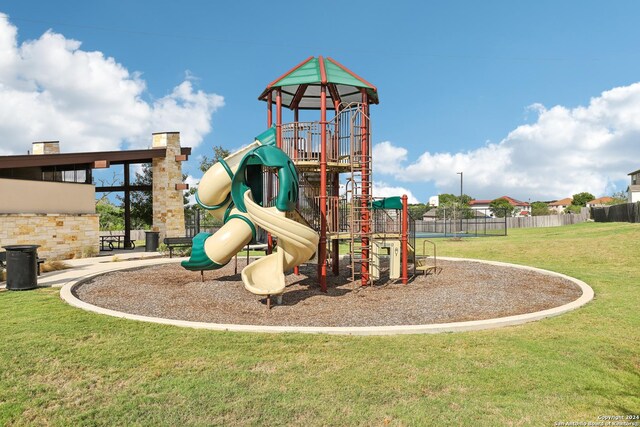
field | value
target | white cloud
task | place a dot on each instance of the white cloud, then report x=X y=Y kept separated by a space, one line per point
x=382 y=189
x=566 y=151
x=50 y=89
x=387 y=157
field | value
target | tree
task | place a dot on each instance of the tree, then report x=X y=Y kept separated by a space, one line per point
x=539 y=209
x=111 y=217
x=619 y=197
x=218 y=153
x=206 y=163
x=581 y=199
x=111 y=182
x=142 y=201
x=450 y=205
x=449 y=199
x=501 y=208
x=418 y=210
x=573 y=209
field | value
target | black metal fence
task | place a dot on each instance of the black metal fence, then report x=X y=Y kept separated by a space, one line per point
x=197 y=220
x=625 y=212
x=477 y=223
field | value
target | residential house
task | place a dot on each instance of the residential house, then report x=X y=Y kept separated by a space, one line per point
x=430 y=215
x=560 y=205
x=482 y=206
x=634 y=188
x=599 y=202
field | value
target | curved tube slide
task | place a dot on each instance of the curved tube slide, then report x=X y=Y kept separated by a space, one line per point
x=211 y=252
x=241 y=215
x=296 y=244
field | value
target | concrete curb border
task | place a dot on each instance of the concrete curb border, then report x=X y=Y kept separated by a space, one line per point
x=66 y=293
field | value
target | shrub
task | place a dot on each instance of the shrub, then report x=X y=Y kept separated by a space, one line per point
x=89 y=252
x=54 y=265
x=163 y=249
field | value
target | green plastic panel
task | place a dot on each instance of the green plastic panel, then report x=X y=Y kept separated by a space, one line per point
x=249 y=177
x=337 y=75
x=309 y=73
x=199 y=260
x=388 y=203
x=268 y=137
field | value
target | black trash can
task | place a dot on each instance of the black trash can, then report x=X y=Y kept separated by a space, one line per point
x=22 y=267
x=151 y=241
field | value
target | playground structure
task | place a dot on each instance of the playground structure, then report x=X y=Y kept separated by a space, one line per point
x=331 y=151
x=288 y=182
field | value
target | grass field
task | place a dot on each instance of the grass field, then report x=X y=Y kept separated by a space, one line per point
x=63 y=366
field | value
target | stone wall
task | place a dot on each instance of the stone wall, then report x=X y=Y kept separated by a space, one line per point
x=168 y=204
x=60 y=236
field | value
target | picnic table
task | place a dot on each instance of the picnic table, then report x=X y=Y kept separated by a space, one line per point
x=114 y=241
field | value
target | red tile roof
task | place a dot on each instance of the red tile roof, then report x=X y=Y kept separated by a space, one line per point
x=601 y=200
x=514 y=202
x=511 y=201
x=562 y=202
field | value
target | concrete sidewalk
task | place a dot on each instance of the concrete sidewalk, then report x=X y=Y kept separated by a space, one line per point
x=86 y=267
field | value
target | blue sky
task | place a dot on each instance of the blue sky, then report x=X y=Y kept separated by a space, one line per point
x=536 y=100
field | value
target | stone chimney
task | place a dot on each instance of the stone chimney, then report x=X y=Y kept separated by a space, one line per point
x=46 y=147
x=168 y=205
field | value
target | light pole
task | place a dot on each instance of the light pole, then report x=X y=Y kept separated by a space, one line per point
x=460 y=173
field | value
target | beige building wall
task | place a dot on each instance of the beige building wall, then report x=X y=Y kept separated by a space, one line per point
x=60 y=217
x=60 y=236
x=168 y=204
x=23 y=196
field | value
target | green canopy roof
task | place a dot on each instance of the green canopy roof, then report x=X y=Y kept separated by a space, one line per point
x=394 y=202
x=301 y=85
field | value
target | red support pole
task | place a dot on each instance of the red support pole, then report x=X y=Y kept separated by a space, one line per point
x=279 y=145
x=322 y=245
x=335 y=214
x=364 y=164
x=296 y=135
x=270 y=110
x=336 y=189
x=296 y=269
x=269 y=177
x=404 y=240
x=279 y=118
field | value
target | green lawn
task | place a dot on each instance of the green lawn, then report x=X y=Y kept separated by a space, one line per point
x=63 y=366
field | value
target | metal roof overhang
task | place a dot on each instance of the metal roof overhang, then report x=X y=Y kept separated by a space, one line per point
x=300 y=87
x=310 y=100
x=89 y=158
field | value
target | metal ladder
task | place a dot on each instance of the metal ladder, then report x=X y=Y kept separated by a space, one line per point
x=360 y=218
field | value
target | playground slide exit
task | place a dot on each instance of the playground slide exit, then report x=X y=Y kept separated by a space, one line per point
x=226 y=191
x=296 y=244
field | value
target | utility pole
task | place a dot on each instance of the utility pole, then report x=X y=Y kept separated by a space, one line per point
x=460 y=173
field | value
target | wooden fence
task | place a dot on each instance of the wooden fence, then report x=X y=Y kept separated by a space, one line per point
x=548 y=220
x=498 y=226
x=624 y=212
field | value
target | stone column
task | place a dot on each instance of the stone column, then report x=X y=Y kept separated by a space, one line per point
x=45 y=147
x=168 y=206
